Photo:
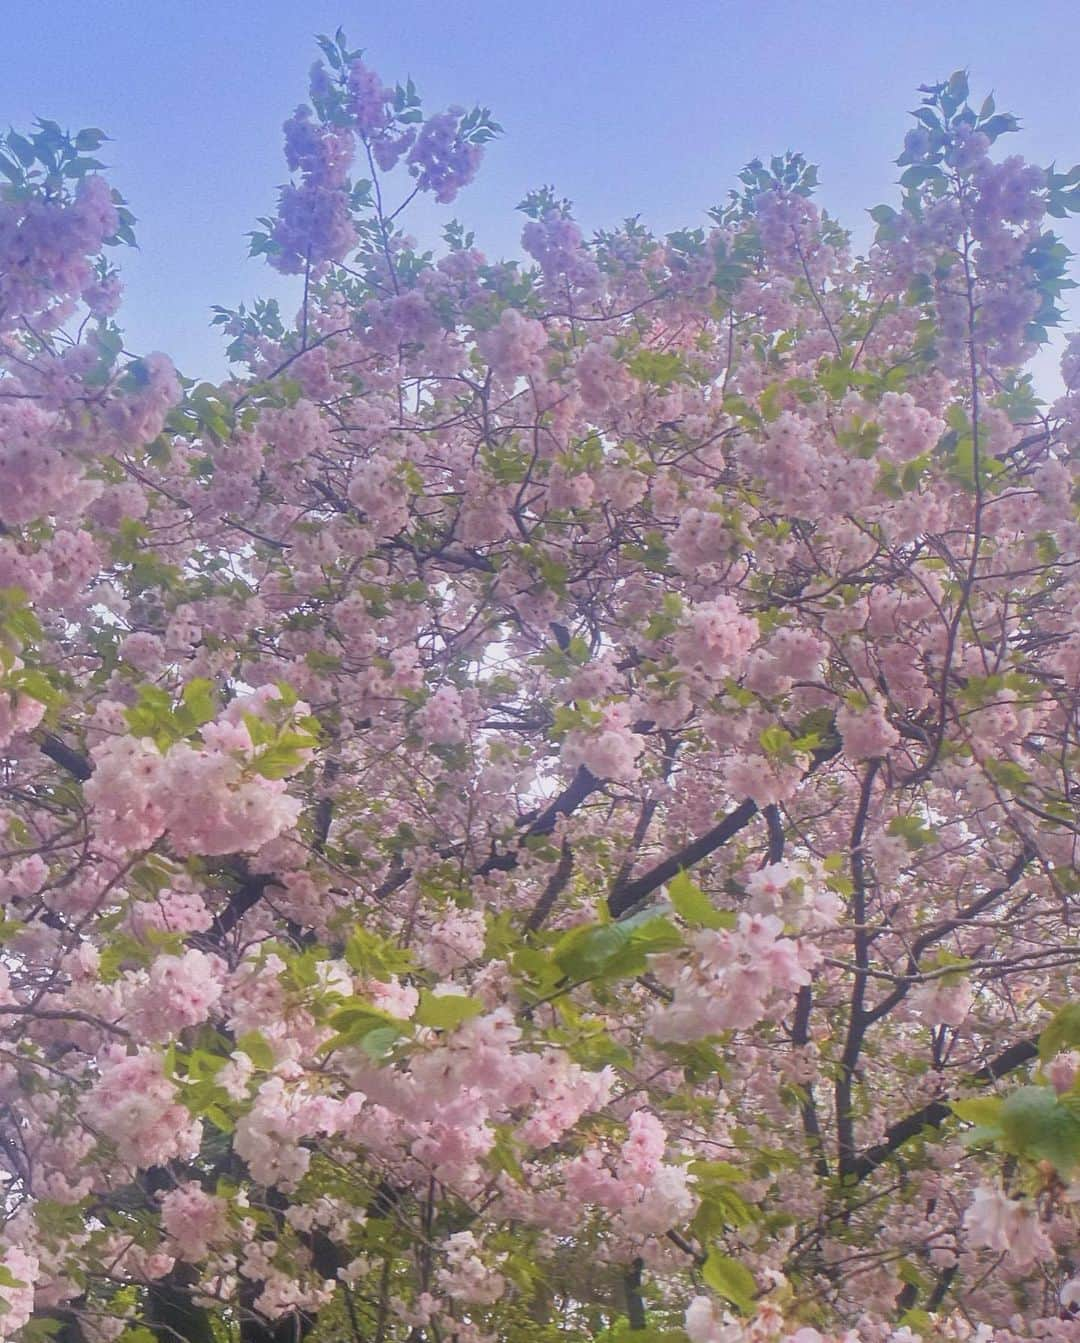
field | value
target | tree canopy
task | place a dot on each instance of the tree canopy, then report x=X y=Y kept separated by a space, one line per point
x=544 y=807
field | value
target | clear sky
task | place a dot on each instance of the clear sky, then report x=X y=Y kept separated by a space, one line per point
x=627 y=106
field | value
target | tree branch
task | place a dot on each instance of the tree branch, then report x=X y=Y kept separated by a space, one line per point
x=1013 y=874
x=936 y=1112
x=247 y=894
x=625 y=895
x=554 y=888
x=76 y=764
x=630 y=893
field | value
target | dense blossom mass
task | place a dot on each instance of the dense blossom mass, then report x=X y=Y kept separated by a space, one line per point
x=545 y=806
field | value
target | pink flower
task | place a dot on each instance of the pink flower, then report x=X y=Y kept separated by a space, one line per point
x=18 y=1298
x=442 y=720
x=644 y=1147
x=135 y=1107
x=1062 y=1071
x=941 y=1003
x=455 y=940
x=179 y=991
x=715 y=638
x=866 y=732
x=996 y=1222
x=193 y=1220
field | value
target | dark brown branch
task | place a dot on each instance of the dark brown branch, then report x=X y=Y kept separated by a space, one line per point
x=66 y=757
x=635 y=1304
x=925 y=940
x=857 y=1021
x=625 y=895
x=247 y=894
x=935 y=1114
x=800 y=1036
x=573 y=795
x=630 y=893
x=776 y=833
x=554 y=888
x=543 y=823
x=941 y=1288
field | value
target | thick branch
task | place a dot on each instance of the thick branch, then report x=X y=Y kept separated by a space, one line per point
x=73 y=761
x=247 y=894
x=630 y=893
x=554 y=888
x=577 y=790
x=857 y=1021
x=935 y=1114
x=925 y=940
x=625 y=895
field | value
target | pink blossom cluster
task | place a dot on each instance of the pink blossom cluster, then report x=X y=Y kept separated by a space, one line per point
x=465 y=1277
x=442 y=720
x=730 y=980
x=1005 y=1225
x=19 y=713
x=651 y=555
x=865 y=730
x=176 y=992
x=441 y=159
x=714 y=639
x=610 y=750
x=193 y=1220
x=47 y=248
x=556 y=243
x=18 y=1296
x=514 y=347
x=453 y=940
x=142 y=792
x=314 y=223
x=135 y=1107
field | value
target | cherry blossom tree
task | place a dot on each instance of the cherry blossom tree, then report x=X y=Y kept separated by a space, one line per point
x=543 y=807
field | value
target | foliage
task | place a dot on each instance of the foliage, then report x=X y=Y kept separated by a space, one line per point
x=544 y=806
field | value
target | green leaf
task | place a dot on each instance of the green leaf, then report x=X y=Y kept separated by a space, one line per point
x=219 y=1118
x=45 y=1327
x=198 y=699
x=657 y=367
x=22 y=148
x=912 y=830
x=1063 y=1032
x=378 y=1043
x=284 y=756
x=444 y=1011
x=90 y=138
x=716 y=1170
x=731 y=1280
x=614 y=950
x=776 y=741
x=583 y=952
x=359 y=1023
x=907 y=1272
x=1036 y=1125
x=693 y=906
x=721 y=1209
x=918 y=174
x=769 y=402
x=920 y=1322
x=375 y=957
x=255 y=1046
x=1004 y=123
x=504 y=1154
x=984 y=1111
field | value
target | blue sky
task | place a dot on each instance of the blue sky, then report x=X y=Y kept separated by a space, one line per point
x=627 y=106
